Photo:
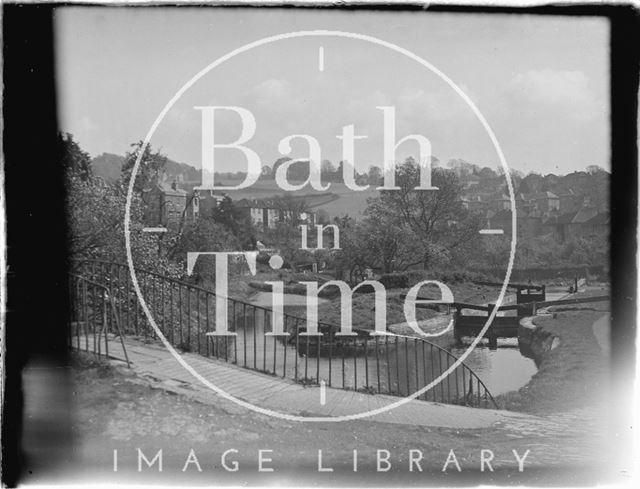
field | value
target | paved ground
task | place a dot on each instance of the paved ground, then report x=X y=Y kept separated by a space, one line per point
x=285 y=396
x=128 y=408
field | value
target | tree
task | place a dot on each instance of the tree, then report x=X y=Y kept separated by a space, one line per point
x=74 y=159
x=266 y=173
x=234 y=221
x=205 y=235
x=152 y=166
x=374 y=175
x=355 y=252
x=487 y=173
x=592 y=169
x=323 y=216
x=391 y=244
x=437 y=220
x=95 y=214
x=327 y=168
x=338 y=174
x=291 y=208
x=286 y=239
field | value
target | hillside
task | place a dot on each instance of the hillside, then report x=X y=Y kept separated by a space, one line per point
x=109 y=166
x=344 y=201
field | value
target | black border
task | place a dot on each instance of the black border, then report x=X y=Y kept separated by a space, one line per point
x=36 y=279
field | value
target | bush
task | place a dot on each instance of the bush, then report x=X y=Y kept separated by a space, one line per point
x=394 y=280
x=415 y=276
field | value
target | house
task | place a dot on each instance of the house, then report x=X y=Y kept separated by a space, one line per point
x=205 y=201
x=267 y=213
x=598 y=225
x=569 y=201
x=164 y=204
x=547 y=202
x=475 y=203
x=528 y=224
x=501 y=203
x=569 y=225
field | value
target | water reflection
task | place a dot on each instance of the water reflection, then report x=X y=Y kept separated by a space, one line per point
x=502 y=370
x=389 y=365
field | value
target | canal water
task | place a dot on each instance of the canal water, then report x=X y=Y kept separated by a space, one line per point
x=392 y=365
x=502 y=370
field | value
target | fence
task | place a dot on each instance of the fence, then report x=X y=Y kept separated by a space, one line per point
x=93 y=316
x=185 y=314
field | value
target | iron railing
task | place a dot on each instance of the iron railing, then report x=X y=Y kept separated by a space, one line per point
x=93 y=317
x=185 y=314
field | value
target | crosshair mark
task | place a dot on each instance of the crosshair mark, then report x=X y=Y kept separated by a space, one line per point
x=492 y=231
x=323 y=393
x=321 y=58
x=154 y=230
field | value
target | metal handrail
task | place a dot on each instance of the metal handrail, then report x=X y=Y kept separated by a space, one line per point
x=79 y=282
x=389 y=364
x=455 y=358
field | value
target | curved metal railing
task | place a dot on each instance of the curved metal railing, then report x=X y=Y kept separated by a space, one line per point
x=93 y=316
x=185 y=313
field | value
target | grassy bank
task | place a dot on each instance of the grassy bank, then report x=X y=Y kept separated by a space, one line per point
x=572 y=375
x=363 y=305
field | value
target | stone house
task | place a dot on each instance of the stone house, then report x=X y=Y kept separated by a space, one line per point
x=569 y=225
x=267 y=213
x=164 y=204
x=547 y=202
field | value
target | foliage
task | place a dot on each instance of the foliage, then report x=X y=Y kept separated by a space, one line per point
x=204 y=235
x=75 y=161
x=286 y=239
x=96 y=213
x=409 y=227
x=394 y=281
x=234 y=221
x=152 y=166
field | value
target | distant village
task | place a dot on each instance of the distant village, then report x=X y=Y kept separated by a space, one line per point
x=565 y=207
x=166 y=204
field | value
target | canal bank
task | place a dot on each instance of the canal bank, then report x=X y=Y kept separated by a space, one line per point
x=524 y=373
x=573 y=365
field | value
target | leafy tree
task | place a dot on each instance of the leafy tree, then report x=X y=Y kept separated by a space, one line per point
x=74 y=159
x=438 y=222
x=487 y=173
x=205 y=235
x=390 y=242
x=327 y=168
x=355 y=253
x=323 y=216
x=286 y=239
x=152 y=166
x=234 y=221
x=266 y=173
x=291 y=208
x=374 y=175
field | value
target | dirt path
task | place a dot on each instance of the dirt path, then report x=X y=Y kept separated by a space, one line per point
x=114 y=409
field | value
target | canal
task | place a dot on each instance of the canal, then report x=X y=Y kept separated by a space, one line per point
x=391 y=365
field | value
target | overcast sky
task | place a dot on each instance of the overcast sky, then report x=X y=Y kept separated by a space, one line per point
x=541 y=83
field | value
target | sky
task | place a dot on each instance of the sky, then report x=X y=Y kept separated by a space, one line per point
x=541 y=83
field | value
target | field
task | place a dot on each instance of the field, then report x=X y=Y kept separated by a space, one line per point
x=344 y=201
